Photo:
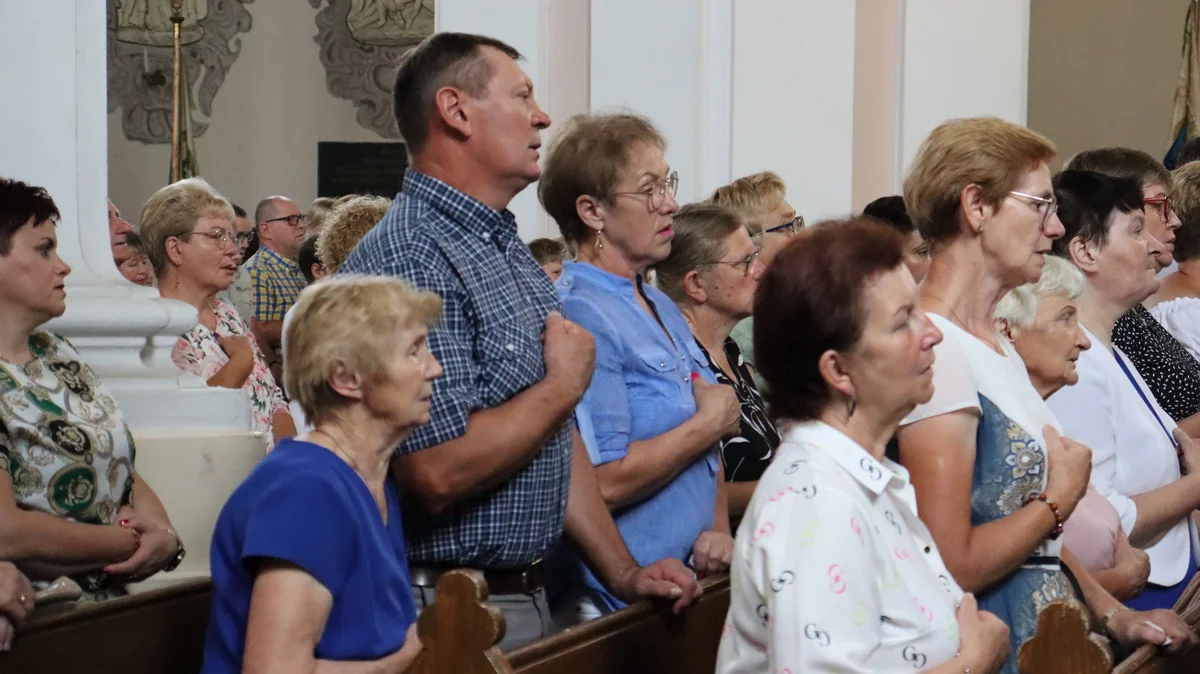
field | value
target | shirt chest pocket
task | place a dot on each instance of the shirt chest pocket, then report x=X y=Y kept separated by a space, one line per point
x=510 y=359
x=656 y=372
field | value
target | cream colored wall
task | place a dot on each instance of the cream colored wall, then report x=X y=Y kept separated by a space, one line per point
x=1103 y=72
x=267 y=118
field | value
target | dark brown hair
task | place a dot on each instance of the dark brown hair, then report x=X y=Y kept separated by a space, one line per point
x=20 y=203
x=809 y=301
x=547 y=251
x=441 y=60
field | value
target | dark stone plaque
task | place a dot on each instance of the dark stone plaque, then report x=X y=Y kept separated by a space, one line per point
x=360 y=168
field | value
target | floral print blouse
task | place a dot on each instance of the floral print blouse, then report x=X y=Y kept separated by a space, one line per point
x=199 y=353
x=64 y=442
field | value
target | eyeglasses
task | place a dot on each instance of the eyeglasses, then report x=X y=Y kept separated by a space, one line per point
x=222 y=237
x=243 y=239
x=1045 y=206
x=656 y=192
x=745 y=263
x=292 y=220
x=1163 y=202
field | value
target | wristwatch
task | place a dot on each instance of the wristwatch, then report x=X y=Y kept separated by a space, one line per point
x=180 y=552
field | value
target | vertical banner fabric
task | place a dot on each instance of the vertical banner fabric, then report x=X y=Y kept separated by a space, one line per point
x=1185 y=121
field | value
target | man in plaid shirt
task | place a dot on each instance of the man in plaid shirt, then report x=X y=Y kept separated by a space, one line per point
x=500 y=471
x=274 y=273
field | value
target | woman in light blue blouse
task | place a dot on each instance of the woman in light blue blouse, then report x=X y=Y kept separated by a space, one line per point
x=653 y=415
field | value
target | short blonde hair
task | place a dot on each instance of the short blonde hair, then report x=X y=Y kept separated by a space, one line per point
x=588 y=157
x=346 y=224
x=984 y=151
x=317 y=210
x=1185 y=201
x=352 y=320
x=173 y=211
x=1019 y=306
x=752 y=197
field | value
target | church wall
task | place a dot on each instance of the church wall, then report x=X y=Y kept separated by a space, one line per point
x=1103 y=72
x=267 y=118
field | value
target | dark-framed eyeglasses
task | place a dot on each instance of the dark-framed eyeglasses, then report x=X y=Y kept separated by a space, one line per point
x=222 y=237
x=292 y=220
x=1163 y=202
x=1045 y=206
x=792 y=226
x=745 y=263
x=656 y=192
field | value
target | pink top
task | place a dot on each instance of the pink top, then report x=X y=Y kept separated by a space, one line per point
x=198 y=352
x=1092 y=531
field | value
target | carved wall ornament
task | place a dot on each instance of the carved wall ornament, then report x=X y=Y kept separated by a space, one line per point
x=139 y=60
x=361 y=41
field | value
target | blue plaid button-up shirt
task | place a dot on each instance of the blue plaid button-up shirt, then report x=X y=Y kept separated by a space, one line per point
x=488 y=341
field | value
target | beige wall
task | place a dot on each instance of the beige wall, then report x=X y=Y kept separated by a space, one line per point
x=267 y=118
x=1103 y=72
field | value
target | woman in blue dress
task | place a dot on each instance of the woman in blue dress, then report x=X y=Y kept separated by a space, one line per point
x=994 y=480
x=308 y=561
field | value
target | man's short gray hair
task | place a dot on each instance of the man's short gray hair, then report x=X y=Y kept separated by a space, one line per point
x=1059 y=277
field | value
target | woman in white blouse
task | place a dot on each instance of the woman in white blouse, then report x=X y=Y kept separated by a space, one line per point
x=1135 y=463
x=833 y=570
x=1176 y=305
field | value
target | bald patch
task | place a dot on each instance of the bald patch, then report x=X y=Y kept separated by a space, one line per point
x=267 y=209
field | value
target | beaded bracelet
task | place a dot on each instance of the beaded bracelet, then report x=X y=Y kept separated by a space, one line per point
x=1058 y=518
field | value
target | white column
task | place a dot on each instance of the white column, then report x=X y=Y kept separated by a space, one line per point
x=194 y=442
x=793 y=99
x=670 y=60
x=961 y=59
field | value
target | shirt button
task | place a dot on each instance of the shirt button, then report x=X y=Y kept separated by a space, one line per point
x=510 y=347
x=662 y=364
x=486 y=236
x=928 y=549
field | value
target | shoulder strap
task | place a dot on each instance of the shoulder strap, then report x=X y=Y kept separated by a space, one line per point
x=1142 y=394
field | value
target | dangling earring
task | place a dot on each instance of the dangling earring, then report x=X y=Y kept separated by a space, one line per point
x=852 y=406
x=599 y=244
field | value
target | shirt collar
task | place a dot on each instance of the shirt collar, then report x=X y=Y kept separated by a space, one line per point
x=475 y=216
x=277 y=259
x=606 y=280
x=868 y=471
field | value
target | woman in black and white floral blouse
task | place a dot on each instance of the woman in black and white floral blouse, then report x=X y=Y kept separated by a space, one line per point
x=70 y=498
x=712 y=274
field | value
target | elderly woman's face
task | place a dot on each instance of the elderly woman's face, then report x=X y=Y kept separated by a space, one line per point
x=1126 y=268
x=1161 y=222
x=1018 y=234
x=209 y=255
x=774 y=241
x=730 y=281
x=633 y=224
x=32 y=275
x=402 y=390
x=892 y=363
x=1052 y=344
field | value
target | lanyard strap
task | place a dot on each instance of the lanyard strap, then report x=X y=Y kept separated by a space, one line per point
x=1142 y=394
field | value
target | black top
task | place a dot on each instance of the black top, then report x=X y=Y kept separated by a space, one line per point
x=746 y=455
x=1172 y=374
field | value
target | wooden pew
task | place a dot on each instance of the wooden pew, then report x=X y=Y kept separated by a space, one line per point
x=153 y=632
x=460 y=629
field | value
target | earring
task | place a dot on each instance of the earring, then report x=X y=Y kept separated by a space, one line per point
x=852 y=406
x=599 y=244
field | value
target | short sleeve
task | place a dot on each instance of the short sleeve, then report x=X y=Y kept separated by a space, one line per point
x=1086 y=412
x=954 y=385
x=304 y=519
x=1181 y=318
x=451 y=339
x=605 y=405
x=822 y=610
